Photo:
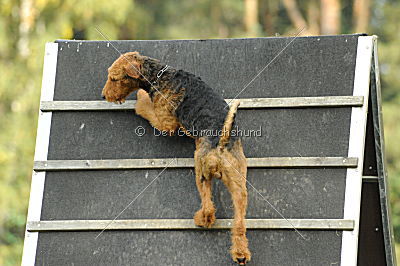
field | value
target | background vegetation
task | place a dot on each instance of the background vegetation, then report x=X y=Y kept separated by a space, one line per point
x=26 y=25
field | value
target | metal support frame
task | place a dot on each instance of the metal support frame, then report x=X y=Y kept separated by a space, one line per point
x=388 y=235
x=358 y=125
x=41 y=150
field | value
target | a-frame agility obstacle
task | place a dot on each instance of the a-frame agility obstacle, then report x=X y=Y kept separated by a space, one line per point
x=318 y=162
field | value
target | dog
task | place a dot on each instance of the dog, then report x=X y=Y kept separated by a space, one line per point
x=172 y=100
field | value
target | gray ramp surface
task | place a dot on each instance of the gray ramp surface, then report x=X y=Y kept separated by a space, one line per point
x=309 y=67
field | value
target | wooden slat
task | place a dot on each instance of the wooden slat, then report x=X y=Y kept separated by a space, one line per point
x=370 y=178
x=283 y=162
x=188 y=224
x=327 y=101
x=270 y=162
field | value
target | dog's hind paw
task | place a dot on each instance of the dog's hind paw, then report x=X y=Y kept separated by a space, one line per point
x=242 y=256
x=241 y=261
x=205 y=218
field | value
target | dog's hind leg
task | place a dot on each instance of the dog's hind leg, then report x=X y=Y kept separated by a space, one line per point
x=234 y=166
x=205 y=217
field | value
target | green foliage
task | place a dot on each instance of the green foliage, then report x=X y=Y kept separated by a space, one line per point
x=19 y=97
x=18 y=108
x=386 y=25
x=143 y=19
x=392 y=135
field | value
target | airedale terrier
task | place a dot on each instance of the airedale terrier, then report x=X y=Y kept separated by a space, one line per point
x=174 y=100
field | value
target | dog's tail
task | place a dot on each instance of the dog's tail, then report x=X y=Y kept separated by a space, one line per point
x=212 y=161
x=226 y=131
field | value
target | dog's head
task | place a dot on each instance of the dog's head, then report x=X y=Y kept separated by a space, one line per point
x=124 y=77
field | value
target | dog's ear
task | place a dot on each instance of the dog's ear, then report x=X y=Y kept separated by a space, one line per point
x=133 y=69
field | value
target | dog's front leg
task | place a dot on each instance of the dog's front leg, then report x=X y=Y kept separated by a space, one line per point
x=160 y=120
x=145 y=107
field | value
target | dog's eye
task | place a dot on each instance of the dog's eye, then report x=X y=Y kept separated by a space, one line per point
x=113 y=79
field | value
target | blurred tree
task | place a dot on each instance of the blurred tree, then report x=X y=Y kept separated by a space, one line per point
x=27 y=24
x=269 y=11
x=311 y=26
x=295 y=16
x=27 y=18
x=25 y=27
x=330 y=17
x=361 y=12
x=251 y=17
x=313 y=17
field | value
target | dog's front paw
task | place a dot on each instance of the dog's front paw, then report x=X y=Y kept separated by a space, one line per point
x=142 y=94
x=205 y=218
x=143 y=103
x=239 y=251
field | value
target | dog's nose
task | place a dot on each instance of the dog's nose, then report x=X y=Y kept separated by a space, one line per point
x=104 y=97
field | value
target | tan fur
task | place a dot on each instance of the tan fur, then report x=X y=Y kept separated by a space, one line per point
x=224 y=139
x=159 y=112
x=229 y=165
x=117 y=88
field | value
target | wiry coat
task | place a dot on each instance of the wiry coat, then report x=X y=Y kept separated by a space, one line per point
x=173 y=99
x=196 y=113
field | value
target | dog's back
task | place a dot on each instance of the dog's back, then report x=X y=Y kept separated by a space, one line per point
x=202 y=111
